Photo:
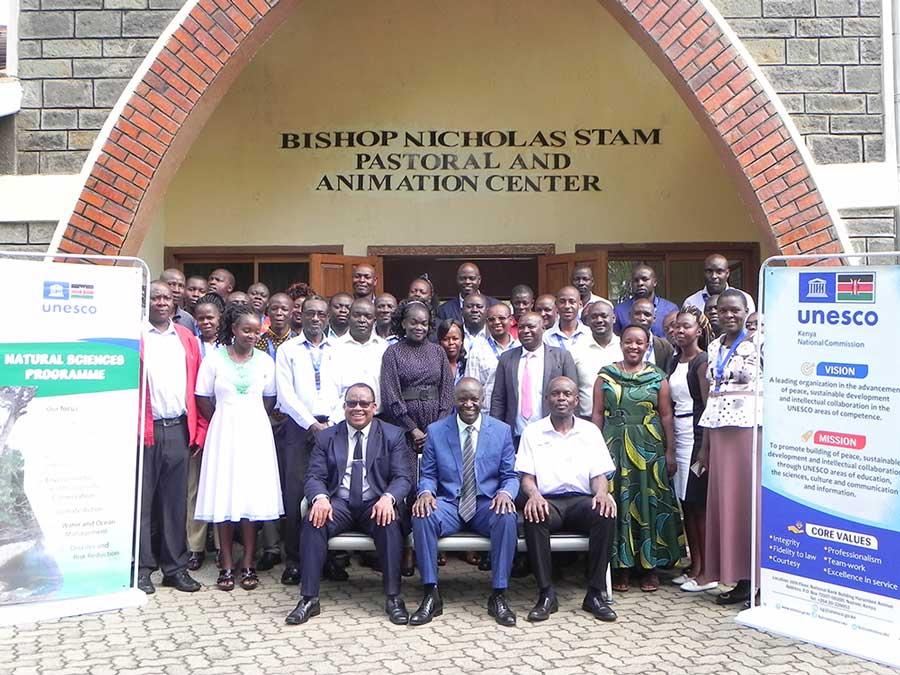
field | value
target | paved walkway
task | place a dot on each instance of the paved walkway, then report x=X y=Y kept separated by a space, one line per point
x=240 y=632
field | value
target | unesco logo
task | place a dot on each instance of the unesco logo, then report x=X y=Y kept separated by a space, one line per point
x=63 y=297
x=845 y=288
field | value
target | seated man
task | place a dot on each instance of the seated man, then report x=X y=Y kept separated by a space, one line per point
x=563 y=461
x=467 y=481
x=355 y=489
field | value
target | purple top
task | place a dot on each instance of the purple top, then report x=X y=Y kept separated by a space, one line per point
x=415 y=365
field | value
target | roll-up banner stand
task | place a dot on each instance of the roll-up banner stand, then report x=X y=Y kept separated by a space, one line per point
x=70 y=434
x=828 y=516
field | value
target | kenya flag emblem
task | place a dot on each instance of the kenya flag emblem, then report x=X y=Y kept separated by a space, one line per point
x=856 y=287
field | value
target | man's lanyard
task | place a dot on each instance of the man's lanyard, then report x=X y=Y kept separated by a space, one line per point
x=722 y=358
x=495 y=346
x=562 y=341
x=315 y=358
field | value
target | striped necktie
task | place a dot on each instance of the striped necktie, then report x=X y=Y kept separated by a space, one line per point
x=467 y=494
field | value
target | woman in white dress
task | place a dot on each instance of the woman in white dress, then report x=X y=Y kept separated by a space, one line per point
x=239 y=476
x=689 y=387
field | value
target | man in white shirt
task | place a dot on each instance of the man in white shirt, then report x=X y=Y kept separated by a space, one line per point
x=359 y=359
x=715 y=274
x=602 y=350
x=339 y=318
x=474 y=331
x=306 y=394
x=563 y=462
x=172 y=430
x=482 y=361
x=568 y=331
x=583 y=281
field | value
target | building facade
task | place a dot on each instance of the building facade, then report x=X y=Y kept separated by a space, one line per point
x=288 y=139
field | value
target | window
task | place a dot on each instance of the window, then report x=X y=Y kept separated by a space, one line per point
x=277 y=267
x=9 y=19
x=679 y=267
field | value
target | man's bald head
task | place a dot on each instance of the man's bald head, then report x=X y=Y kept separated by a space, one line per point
x=468 y=279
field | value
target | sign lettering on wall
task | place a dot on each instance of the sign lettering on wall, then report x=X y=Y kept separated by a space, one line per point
x=448 y=160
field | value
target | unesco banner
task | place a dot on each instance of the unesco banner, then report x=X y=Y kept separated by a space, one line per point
x=69 y=430
x=830 y=490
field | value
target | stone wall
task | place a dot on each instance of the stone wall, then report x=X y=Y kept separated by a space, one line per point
x=824 y=57
x=33 y=236
x=872 y=230
x=75 y=58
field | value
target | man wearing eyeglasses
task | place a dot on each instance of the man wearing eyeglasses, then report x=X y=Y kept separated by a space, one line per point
x=358 y=474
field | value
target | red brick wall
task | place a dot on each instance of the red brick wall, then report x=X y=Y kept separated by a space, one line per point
x=203 y=56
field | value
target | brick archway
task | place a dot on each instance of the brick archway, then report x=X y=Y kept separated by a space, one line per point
x=210 y=41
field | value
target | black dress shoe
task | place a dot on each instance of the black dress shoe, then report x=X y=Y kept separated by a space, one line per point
x=195 y=560
x=499 y=609
x=738 y=594
x=395 y=608
x=306 y=609
x=334 y=570
x=595 y=605
x=431 y=606
x=484 y=562
x=545 y=606
x=144 y=583
x=290 y=576
x=182 y=581
x=268 y=560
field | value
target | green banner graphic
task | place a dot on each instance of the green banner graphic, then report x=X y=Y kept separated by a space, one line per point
x=63 y=368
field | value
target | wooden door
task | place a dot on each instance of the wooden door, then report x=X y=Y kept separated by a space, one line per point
x=555 y=271
x=330 y=273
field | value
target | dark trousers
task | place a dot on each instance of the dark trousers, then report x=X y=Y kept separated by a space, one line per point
x=164 y=500
x=293 y=462
x=388 y=544
x=570 y=513
x=271 y=530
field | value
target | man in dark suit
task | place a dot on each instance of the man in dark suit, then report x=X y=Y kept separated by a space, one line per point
x=467 y=481
x=359 y=472
x=643 y=314
x=523 y=375
x=468 y=281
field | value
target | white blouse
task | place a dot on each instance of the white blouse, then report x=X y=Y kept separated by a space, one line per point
x=731 y=401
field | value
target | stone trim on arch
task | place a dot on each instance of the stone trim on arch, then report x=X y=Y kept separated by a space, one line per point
x=180 y=83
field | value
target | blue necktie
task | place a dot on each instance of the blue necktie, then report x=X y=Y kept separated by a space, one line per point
x=467 y=494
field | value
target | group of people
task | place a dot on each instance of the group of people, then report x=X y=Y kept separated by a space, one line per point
x=295 y=418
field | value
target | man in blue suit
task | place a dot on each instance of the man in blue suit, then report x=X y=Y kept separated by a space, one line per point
x=359 y=473
x=467 y=481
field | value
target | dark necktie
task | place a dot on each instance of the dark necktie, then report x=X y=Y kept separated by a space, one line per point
x=467 y=494
x=356 y=474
